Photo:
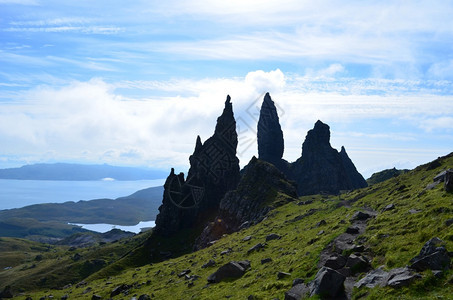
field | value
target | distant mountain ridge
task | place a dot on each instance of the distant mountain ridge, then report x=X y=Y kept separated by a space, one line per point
x=79 y=172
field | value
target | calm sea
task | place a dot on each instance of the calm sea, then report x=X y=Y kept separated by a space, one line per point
x=20 y=193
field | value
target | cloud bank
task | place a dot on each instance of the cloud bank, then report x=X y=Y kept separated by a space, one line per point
x=92 y=121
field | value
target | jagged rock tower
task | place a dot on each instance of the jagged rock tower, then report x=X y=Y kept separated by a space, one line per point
x=270 y=137
x=270 y=134
x=322 y=168
x=214 y=170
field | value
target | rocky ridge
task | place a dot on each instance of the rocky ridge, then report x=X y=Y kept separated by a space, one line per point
x=214 y=170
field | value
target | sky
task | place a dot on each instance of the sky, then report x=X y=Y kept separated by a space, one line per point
x=134 y=82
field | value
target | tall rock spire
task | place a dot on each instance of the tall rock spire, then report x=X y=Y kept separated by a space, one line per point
x=270 y=134
x=214 y=170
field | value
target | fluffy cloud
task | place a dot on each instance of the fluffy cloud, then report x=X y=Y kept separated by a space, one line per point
x=92 y=121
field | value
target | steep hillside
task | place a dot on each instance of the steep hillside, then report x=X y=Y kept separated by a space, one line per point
x=289 y=244
x=385 y=175
x=27 y=265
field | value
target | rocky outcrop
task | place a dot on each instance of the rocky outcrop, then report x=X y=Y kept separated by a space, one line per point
x=322 y=168
x=214 y=170
x=262 y=188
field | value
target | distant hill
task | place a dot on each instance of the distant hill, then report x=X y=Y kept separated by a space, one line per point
x=50 y=220
x=79 y=172
x=385 y=175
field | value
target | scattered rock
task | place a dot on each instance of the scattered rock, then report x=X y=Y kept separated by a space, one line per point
x=360 y=216
x=184 y=272
x=119 y=289
x=374 y=278
x=96 y=297
x=389 y=207
x=305 y=202
x=247 y=238
x=431 y=186
x=327 y=282
x=438 y=273
x=81 y=283
x=448 y=185
x=64 y=297
x=266 y=260
x=281 y=275
x=357 y=264
x=297 y=292
x=210 y=263
x=335 y=262
x=432 y=256
x=449 y=222
x=320 y=232
x=257 y=247
x=272 y=236
x=224 y=252
x=297 y=281
x=401 y=277
x=352 y=230
x=232 y=269
x=321 y=223
x=414 y=211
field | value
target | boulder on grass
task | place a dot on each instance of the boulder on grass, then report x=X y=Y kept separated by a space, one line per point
x=432 y=256
x=327 y=283
x=233 y=269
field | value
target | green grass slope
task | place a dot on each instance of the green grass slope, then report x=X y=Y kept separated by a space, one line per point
x=391 y=239
x=26 y=265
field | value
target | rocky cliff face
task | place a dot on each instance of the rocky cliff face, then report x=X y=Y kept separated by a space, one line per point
x=262 y=188
x=322 y=168
x=214 y=170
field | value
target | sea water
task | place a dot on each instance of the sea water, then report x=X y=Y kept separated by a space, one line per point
x=20 y=193
x=107 y=227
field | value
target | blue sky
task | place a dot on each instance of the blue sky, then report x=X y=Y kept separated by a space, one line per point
x=134 y=82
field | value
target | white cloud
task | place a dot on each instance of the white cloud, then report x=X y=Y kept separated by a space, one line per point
x=437 y=123
x=93 y=122
x=20 y=2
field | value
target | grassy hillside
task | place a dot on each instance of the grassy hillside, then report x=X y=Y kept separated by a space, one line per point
x=28 y=265
x=391 y=240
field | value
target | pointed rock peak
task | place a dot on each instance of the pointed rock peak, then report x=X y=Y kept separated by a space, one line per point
x=198 y=145
x=226 y=125
x=343 y=150
x=320 y=134
x=172 y=171
x=270 y=134
x=319 y=125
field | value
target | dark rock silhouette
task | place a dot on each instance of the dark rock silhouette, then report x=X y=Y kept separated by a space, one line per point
x=262 y=188
x=322 y=168
x=270 y=136
x=214 y=170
